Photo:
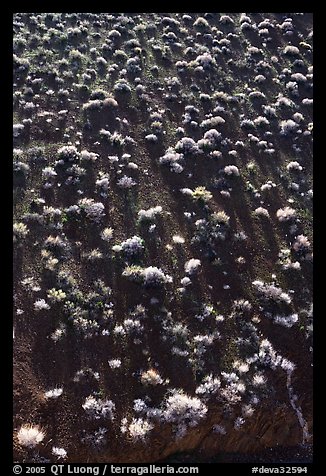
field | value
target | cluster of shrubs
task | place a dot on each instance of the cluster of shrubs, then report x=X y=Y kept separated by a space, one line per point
x=107 y=65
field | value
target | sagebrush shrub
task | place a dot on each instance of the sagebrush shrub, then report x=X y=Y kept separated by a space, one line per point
x=30 y=436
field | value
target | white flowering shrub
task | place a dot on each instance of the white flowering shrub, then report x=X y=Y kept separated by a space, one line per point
x=133 y=246
x=20 y=232
x=99 y=105
x=184 y=411
x=283 y=102
x=50 y=263
x=151 y=377
x=133 y=273
x=56 y=295
x=30 y=436
x=97 y=408
x=56 y=244
x=211 y=123
x=271 y=292
x=268 y=356
x=59 y=333
x=260 y=78
x=286 y=214
x=285 y=260
x=232 y=170
x=153 y=276
x=126 y=182
x=186 y=191
x=201 y=194
x=241 y=367
x=172 y=159
x=269 y=185
x=286 y=321
x=48 y=173
x=247 y=124
x=132 y=326
x=18 y=130
x=232 y=389
x=60 y=453
x=187 y=146
x=294 y=166
x=293 y=88
x=261 y=212
x=206 y=61
x=122 y=87
x=41 y=305
x=212 y=229
x=94 y=211
x=261 y=121
x=242 y=306
x=107 y=234
x=116 y=139
x=151 y=138
x=103 y=184
x=139 y=428
x=226 y=20
x=54 y=393
x=301 y=244
x=291 y=50
x=150 y=214
x=185 y=281
x=85 y=326
x=209 y=386
x=51 y=214
x=288 y=127
x=201 y=23
x=87 y=156
x=68 y=153
x=211 y=138
x=269 y=111
x=221 y=217
x=75 y=173
x=258 y=379
x=298 y=117
x=178 y=239
x=114 y=363
x=192 y=266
